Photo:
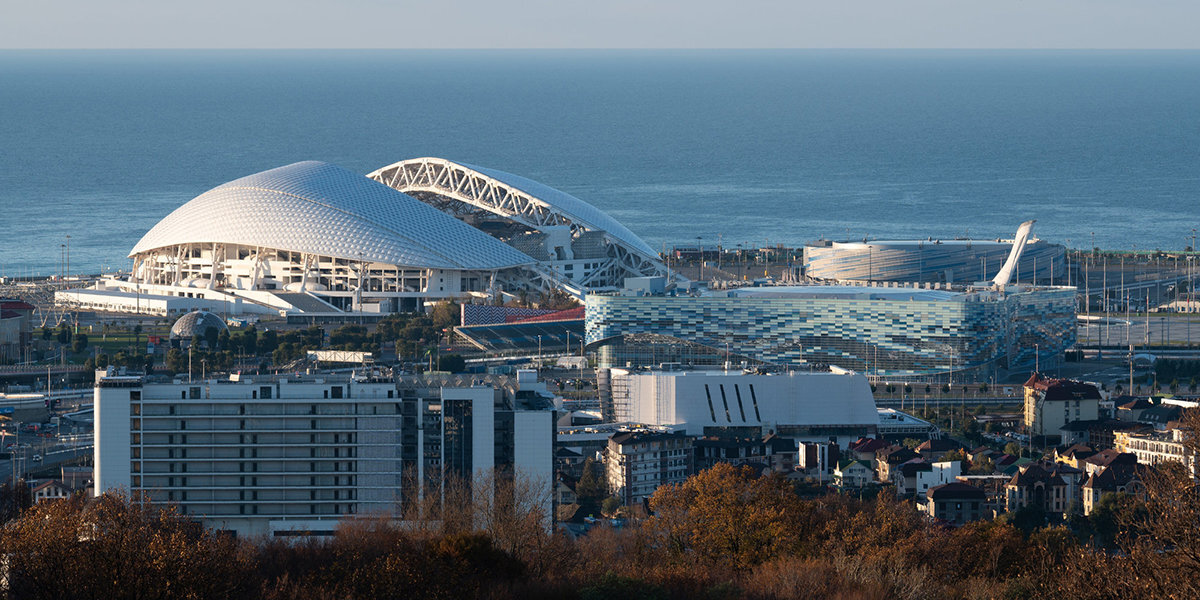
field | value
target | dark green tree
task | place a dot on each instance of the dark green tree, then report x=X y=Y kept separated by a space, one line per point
x=212 y=337
x=590 y=488
x=453 y=363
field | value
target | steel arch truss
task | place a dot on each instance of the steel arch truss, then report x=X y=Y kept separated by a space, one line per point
x=461 y=191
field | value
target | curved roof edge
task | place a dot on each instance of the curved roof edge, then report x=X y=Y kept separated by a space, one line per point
x=322 y=208
x=575 y=209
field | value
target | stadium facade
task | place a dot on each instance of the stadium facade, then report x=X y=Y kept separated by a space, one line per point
x=892 y=332
x=931 y=261
x=312 y=237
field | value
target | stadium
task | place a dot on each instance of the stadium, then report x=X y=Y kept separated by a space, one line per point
x=312 y=238
x=931 y=261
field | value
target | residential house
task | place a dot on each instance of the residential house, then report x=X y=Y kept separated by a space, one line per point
x=564 y=489
x=940 y=473
x=1116 y=479
x=1107 y=458
x=1161 y=416
x=935 y=450
x=1130 y=409
x=51 y=489
x=1034 y=485
x=955 y=503
x=1073 y=455
x=853 y=474
x=865 y=448
x=905 y=476
x=889 y=457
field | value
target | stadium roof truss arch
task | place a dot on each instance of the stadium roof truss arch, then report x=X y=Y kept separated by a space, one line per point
x=559 y=230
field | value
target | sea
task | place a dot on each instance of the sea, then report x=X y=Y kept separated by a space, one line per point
x=684 y=147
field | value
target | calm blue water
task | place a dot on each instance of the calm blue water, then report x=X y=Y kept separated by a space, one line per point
x=754 y=146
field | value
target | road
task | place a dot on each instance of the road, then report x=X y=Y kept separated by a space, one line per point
x=53 y=451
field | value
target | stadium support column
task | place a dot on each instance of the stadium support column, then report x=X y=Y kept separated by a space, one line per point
x=307 y=262
x=218 y=256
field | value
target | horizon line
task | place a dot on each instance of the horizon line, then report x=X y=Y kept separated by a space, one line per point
x=603 y=48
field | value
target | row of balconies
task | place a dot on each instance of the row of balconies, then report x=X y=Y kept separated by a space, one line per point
x=241 y=453
x=274 y=467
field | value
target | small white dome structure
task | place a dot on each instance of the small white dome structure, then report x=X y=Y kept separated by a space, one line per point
x=197 y=322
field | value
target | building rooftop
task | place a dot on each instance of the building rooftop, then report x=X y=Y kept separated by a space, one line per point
x=1062 y=389
x=320 y=208
x=846 y=292
x=955 y=491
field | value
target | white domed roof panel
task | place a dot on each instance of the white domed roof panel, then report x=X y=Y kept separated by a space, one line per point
x=323 y=209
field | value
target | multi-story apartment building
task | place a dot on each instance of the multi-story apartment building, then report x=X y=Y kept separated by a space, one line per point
x=1153 y=448
x=1052 y=403
x=299 y=453
x=637 y=463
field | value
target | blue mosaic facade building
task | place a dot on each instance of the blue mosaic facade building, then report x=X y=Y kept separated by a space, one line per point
x=885 y=331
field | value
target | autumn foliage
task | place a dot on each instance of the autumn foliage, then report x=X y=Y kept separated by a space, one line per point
x=726 y=533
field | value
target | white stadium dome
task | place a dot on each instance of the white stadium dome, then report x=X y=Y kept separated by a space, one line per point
x=315 y=237
x=318 y=208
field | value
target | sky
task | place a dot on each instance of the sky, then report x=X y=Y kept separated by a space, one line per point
x=253 y=24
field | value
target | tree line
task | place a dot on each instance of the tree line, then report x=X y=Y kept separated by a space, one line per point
x=725 y=533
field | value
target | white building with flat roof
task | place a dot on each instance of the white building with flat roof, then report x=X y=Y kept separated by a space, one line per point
x=798 y=405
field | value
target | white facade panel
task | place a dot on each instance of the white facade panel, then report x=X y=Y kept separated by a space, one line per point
x=111 y=449
x=698 y=399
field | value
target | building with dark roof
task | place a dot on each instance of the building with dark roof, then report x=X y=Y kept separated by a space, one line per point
x=1130 y=408
x=1098 y=433
x=1160 y=415
x=1115 y=479
x=1036 y=486
x=889 y=457
x=1107 y=458
x=955 y=503
x=935 y=449
x=1052 y=403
